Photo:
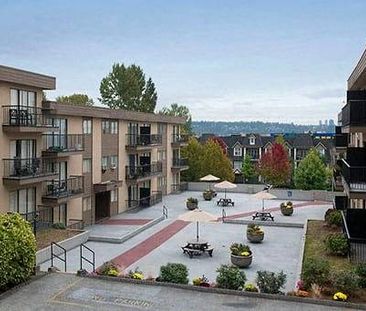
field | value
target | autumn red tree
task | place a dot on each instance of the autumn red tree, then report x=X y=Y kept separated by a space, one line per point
x=274 y=166
x=221 y=143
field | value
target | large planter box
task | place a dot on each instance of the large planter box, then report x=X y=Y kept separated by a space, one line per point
x=241 y=261
x=207 y=196
x=257 y=238
x=286 y=211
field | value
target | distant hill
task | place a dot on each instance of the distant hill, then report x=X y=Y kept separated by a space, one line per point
x=228 y=128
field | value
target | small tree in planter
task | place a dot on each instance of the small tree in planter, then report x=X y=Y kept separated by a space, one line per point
x=207 y=195
x=241 y=255
x=255 y=234
x=230 y=277
x=270 y=282
x=192 y=203
x=287 y=209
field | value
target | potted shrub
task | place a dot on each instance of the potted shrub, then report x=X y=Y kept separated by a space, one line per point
x=287 y=209
x=270 y=282
x=207 y=195
x=241 y=255
x=192 y=203
x=254 y=233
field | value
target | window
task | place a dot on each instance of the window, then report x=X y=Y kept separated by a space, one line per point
x=87 y=126
x=161 y=155
x=23 y=201
x=253 y=153
x=105 y=127
x=114 y=195
x=59 y=214
x=86 y=204
x=252 y=140
x=237 y=165
x=22 y=98
x=238 y=152
x=114 y=127
x=109 y=127
x=114 y=162
x=87 y=166
x=104 y=163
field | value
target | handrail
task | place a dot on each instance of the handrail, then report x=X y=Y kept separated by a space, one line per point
x=91 y=262
x=165 y=212
x=223 y=215
x=53 y=255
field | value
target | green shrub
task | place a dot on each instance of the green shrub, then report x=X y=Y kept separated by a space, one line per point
x=238 y=249
x=337 y=244
x=192 y=200
x=345 y=281
x=361 y=272
x=315 y=271
x=174 y=273
x=270 y=282
x=230 y=277
x=333 y=217
x=18 y=250
x=109 y=269
x=59 y=225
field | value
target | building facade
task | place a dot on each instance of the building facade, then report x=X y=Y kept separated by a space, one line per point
x=236 y=147
x=350 y=160
x=77 y=165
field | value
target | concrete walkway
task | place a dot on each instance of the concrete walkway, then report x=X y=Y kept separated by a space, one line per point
x=58 y=292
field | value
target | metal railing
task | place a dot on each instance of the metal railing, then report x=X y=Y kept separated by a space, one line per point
x=180 y=138
x=354 y=113
x=354 y=176
x=136 y=140
x=180 y=162
x=29 y=167
x=41 y=218
x=165 y=212
x=151 y=200
x=83 y=258
x=57 y=256
x=141 y=171
x=64 y=188
x=25 y=116
x=341 y=140
x=63 y=142
x=183 y=186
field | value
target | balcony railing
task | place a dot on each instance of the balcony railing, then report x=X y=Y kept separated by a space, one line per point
x=354 y=176
x=180 y=162
x=42 y=218
x=64 y=188
x=151 y=200
x=27 y=168
x=142 y=171
x=63 y=142
x=25 y=116
x=341 y=140
x=354 y=113
x=340 y=203
x=180 y=138
x=135 y=140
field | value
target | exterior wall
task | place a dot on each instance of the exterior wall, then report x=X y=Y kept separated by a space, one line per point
x=122 y=162
x=97 y=151
x=169 y=158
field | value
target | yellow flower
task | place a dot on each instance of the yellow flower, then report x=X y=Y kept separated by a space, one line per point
x=245 y=254
x=138 y=276
x=340 y=296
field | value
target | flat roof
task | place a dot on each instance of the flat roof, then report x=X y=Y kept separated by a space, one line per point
x=357 y=79
x=28 y=78
x=108 y=113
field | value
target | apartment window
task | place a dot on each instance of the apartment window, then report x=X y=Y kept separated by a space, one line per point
x=253 y=153
x=161 y=155
x=114 y=161
x=104 y=163
x=22 y=98
x=60 y=214
x=252 y=141
x=87 y=126
x=23 y=201
x=114 y=195
x=106 y=127
x=114 y=127
x=87 y=166
x=237 y=165
x=238 y=152
x=86 y=204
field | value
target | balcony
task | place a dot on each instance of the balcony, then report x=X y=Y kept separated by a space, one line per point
x=354 y=113
x=354 y=177
x=180 y=139
x=140 y=172
x=179 y=164
x=19 y=172
x=143 y=141
x=62 y=144
x=25 y=119
x=341 y=140
x=153 y=199
x=60 y=191
x=340 y=202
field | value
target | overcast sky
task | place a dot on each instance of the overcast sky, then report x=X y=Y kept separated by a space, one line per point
x=285 y=61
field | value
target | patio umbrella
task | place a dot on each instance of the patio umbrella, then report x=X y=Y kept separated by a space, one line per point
x=225 y=185
x=209 y=178
x=198 y=216
x=264 y=195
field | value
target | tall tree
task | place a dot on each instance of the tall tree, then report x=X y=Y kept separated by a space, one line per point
x=177 y=110
x=215 y=162
x=274 y=166
x=312 y=173
x=76 y=100
x=126 y=88
x=193 y=153
x=247 y=168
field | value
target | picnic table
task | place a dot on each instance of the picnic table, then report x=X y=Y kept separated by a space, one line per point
x=225 y=202
x=263 y=216
x=197 y=248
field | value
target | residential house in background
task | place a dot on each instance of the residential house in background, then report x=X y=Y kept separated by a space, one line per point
x=254 y=145
x=350 y=159
x=77 y=165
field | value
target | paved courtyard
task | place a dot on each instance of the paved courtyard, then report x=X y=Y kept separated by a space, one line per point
x=160 y=244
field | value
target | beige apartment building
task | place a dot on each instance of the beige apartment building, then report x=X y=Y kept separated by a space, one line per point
x=77 y=165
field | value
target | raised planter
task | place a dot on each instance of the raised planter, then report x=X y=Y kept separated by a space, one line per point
x=287 y=209
x=241 y=261
x=192 y=205
x=207 y=195
x=255 y=238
